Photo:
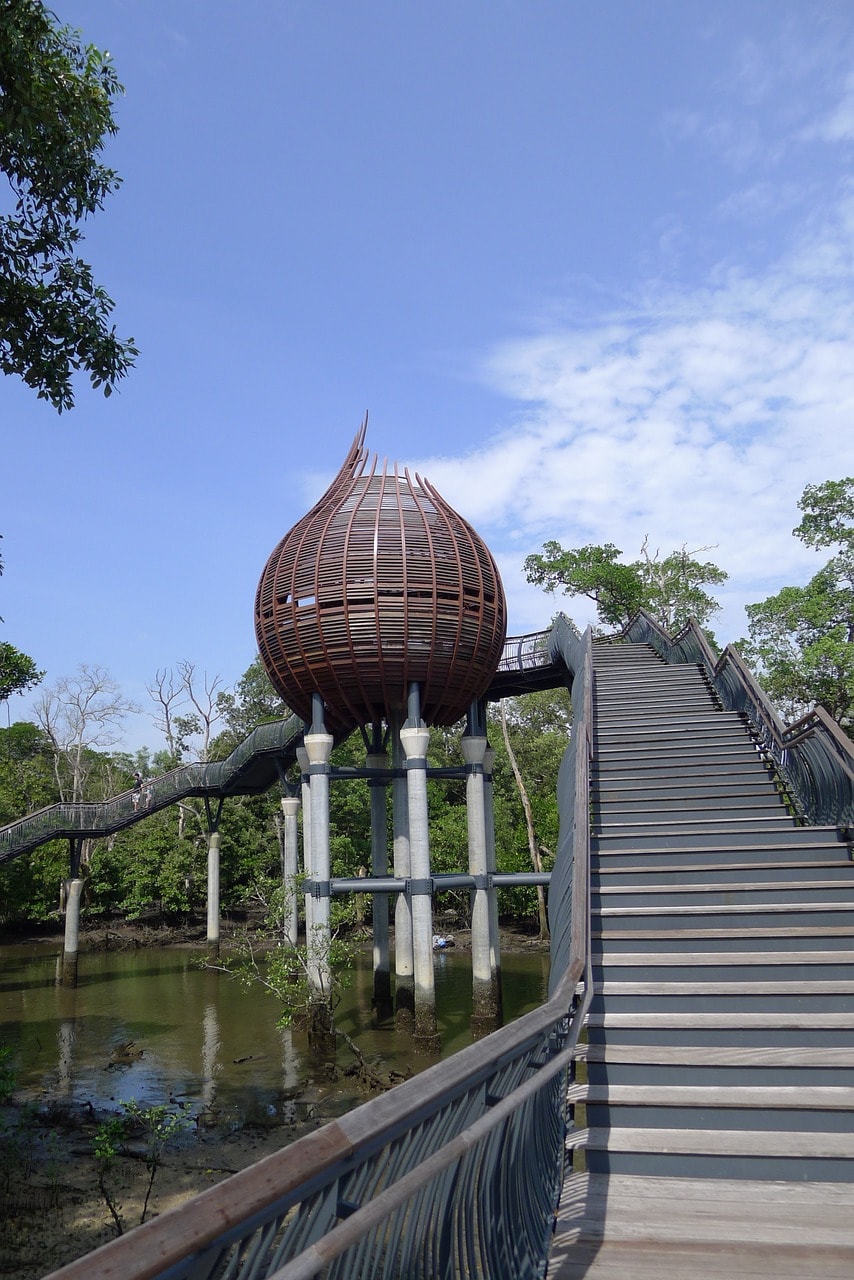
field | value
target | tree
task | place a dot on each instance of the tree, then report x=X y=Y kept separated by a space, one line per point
x=801 y=641
x=18 y=672
x=669 y=588
x=56 y=112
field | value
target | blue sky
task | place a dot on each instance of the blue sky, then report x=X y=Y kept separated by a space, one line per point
x=587 y=266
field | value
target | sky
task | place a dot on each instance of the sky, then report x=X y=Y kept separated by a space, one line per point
x=587 y=267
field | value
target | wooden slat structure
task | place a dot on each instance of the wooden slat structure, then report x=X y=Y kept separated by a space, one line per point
x=381 y=584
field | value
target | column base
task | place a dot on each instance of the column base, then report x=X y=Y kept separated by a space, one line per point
x=382 y=1001
x=426 y=1038
x=487 y=1007
x=321 y=1030
x=404 y=1004
x=68 y=969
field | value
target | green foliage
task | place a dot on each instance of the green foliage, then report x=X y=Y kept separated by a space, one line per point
x=801 y=640
x=56 y=113
x=158 y=1125
x=670 y=589
x=18 y=672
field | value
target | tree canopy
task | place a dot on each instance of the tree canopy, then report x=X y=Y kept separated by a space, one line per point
x=56 y=112
x=670 y=588
x=801 y=640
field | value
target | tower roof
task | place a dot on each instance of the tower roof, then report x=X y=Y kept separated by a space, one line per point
x=380 y=584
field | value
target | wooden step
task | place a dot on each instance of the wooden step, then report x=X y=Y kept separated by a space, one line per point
x=625 y=1227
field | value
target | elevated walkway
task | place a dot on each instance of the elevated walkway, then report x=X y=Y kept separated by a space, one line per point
x=715 y=1126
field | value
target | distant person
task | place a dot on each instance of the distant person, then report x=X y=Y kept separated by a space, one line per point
x=137 y=789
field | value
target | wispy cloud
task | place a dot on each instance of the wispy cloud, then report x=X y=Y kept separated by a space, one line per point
x=694 y=411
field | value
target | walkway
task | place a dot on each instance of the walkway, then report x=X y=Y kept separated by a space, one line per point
x=631 y=1228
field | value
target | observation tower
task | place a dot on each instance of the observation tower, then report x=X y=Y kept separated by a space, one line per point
x=382 y=607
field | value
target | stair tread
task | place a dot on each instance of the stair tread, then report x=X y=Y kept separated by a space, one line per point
x=796 y=1097
x=730 y=1018
x=718 y=1142
x=725 y=1056
x=830 y=986
x=713 y=908
x=721 y=958
x=735 y=886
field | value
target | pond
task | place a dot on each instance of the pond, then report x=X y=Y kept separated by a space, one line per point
x=200 y=1039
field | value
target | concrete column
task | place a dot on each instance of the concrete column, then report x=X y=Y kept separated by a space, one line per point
x=305 y=787
x=382 y=1000
x=414 y=741
x=404 y=979
x=213 y=893
x=492 y=867
x=71 y=946
x=485 y=998
x=290 y=869
x=319 y=937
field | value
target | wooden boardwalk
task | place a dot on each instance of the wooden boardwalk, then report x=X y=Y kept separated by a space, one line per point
x=621 y=1227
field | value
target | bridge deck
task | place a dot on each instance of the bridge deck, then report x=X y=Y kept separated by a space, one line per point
x=613 y=1227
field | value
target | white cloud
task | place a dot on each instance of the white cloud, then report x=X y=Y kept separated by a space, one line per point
x=696 y=416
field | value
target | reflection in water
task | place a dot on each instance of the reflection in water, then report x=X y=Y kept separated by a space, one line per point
x=205 y=1040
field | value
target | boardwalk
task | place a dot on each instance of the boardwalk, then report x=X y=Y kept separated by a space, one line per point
x=621 y=1227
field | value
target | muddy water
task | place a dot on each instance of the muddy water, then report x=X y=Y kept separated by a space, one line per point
x=199 y=1038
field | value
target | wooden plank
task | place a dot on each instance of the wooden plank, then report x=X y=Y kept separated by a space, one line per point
x=818 y=1098
x=687 y=1020
x=731 y=1142
x=818 y=987
x=721 y=958
x=725 y=1056
x=613 y=1228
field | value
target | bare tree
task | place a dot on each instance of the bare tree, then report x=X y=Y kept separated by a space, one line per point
x=168 y=697
x=203 y=694
x=81 y=714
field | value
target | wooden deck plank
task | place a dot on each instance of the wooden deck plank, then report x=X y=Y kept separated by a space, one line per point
x=821 y=1098
x=731 y=1142
x=725 y=1056
x=613 y=1228
x=794 y=1021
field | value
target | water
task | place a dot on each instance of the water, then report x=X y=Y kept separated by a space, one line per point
x=205 y=1040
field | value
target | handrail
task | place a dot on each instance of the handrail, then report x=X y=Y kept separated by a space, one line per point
x=104 y=817
x=456 y=1171
x=814 y=758
x=215 y=778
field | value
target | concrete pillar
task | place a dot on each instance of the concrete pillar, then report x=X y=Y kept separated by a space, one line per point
x=319 y=936
x=213 y=893
x=305 y=788
x=382 y=1000
x=484 y=984
x=491 y=868
x=414 y=741
x=71 y=946
x=290 y=869
x=404 y=978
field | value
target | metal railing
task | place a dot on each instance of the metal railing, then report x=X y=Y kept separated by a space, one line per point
x=102 y=818
x=813 y=757
x=521 y=653
x=456 y=1172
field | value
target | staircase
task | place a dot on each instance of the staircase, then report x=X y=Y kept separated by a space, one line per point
x=721 y=1032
